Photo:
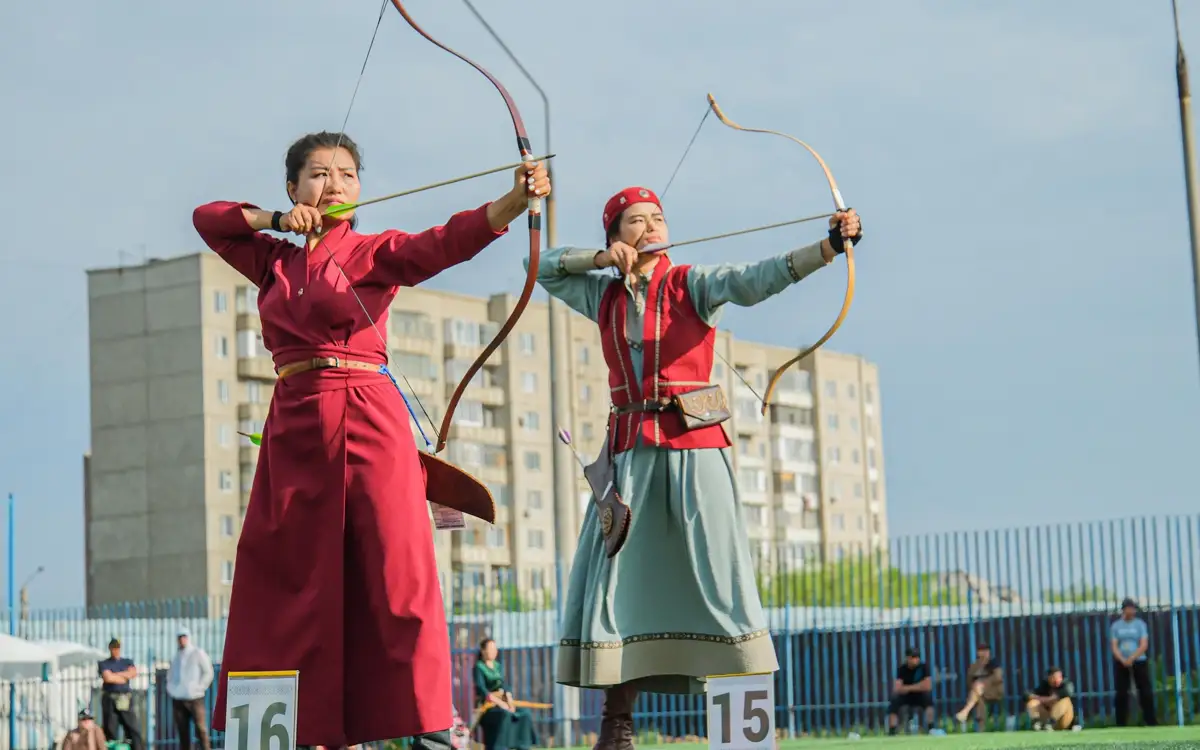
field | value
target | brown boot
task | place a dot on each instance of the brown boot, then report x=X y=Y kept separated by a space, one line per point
x=616 y=724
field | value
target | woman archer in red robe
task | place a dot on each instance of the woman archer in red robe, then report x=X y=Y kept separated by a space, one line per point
x=335 y=572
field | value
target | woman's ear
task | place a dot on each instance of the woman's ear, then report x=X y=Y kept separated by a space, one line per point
x=291 y=192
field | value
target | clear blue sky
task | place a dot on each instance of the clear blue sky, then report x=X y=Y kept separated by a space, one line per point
x=1025 y=286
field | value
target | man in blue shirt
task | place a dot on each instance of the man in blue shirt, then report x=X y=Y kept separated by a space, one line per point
x=116 y=696
x=1130 y=639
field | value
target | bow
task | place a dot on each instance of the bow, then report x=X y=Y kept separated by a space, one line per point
x=535 y=234
x=840 y=206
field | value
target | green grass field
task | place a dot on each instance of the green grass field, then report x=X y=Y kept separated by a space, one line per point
x=1163 y=738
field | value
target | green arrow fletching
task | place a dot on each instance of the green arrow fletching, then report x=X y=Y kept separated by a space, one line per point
x=255 y=438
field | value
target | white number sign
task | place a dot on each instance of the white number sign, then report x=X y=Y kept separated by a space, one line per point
x=260 y=710
x=741 y=712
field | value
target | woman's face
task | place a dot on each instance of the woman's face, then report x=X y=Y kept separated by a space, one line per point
x=642 y=224
x=490 y=651
x=321 y=186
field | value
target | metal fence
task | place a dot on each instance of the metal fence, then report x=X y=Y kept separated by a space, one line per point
x=1040 y=596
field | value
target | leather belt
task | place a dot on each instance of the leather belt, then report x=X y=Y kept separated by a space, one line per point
x=648 y=405
x=323 y=363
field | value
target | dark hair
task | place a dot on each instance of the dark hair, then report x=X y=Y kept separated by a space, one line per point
x=298 y=153
x=1052 y=670
x=981 y=646
x=614 y=230
x=483 y=644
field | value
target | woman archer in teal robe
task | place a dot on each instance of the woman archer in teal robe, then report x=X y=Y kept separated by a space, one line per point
x=505 y=727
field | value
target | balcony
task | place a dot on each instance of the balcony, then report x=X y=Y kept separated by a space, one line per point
x=248 y=454
x=256 y=368
x=803 y=536
x=488 y=395
x=248 y=321
x=414 y=345
x=255 y=412
x=468 y=352
x=486 y=435
x=799 y=399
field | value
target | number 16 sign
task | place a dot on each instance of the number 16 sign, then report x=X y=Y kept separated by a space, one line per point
x=741 y=712
x=260 y=710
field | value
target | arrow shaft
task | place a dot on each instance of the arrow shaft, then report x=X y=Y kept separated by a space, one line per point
x=658 y=248
x=342 y=207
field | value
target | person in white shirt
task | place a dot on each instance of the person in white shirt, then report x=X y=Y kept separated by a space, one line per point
x=187 y=681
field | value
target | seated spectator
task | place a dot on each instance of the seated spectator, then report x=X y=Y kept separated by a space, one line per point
x=505 y=727
x=86 y=735
x=912 y=689
x=985 y=685
x=1050 y=705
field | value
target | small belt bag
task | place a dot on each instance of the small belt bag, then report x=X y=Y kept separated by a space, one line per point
x=703 y=407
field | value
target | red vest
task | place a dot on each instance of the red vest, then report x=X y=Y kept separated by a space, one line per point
x=677 y=357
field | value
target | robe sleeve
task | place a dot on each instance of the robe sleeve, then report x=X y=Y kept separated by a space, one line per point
x=747 y=284
x=401 y=259
x=481 y=691
x=223 y=228
x=566 y=274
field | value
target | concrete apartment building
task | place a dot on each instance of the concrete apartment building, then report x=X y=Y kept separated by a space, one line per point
x=178 y=367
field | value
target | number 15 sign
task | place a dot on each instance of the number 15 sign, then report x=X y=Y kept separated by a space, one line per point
x=741 y=712
x=260 y=710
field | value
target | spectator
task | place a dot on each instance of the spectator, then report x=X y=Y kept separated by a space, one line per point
x=86 y=735
x=116 y=696
x=985 y=685
x=1130 y=639
x=188 y=679
x=505 y=727
x=1050 y=705
x=913 y=689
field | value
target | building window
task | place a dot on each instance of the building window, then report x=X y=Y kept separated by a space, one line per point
x=227 y=572
x=537 y=579
x=247 y=478
x=469 y=414
x=868 y=393
x=858 y=489
x=227 y=527
x=247 y=299
x=497 y=537
x=832 y=421
x=223 y=391
x=851 y=391
x=854 y=457
x=529 y=382
x=254 y=392
x=462 y=332
x=588 y=431
x=221 y=346
x=249 y=344
x=585 y=355
x=537 y=538
x=533 y=460
x=220 y=302
x=223 y=435
x=532 y=421
x=860 y=523
x=528 y=344
x=533 y=498
x=225 y=481
x=854 y=424
x=833 y=454
x=871 y=458
x=585 y=393
x=839 y=521
x=831 y=389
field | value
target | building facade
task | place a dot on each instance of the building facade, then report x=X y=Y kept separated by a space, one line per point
x=178 y=368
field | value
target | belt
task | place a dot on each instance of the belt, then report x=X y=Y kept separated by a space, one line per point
x=648 y=405
x=323 y=363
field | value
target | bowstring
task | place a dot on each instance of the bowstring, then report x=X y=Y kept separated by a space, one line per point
x=342 y=272
x=662 y=195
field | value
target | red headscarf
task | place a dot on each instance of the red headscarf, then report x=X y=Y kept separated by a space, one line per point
x=626 y=198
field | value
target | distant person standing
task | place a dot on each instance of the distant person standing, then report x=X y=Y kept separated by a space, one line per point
x=188 y=679
x=1130 y=638
x=116 y=696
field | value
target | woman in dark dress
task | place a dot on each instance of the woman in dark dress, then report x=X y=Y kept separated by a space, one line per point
x=505 y=727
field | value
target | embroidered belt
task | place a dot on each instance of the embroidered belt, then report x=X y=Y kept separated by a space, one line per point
x=324 y=363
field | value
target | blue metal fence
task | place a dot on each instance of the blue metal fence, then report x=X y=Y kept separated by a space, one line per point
x=841 y=618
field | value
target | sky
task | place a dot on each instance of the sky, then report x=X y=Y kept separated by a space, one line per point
x=1024 y=285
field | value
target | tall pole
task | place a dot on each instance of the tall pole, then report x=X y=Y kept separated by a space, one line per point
x=565 y=528
x=1189 y=161
x=12 y=616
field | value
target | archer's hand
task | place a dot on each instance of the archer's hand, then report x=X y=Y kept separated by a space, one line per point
x=531 y=180
x=844 y=225
x=302 y=220
x=619 y=256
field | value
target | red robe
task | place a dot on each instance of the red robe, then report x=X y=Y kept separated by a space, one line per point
x=335 y=573
x=677 y=357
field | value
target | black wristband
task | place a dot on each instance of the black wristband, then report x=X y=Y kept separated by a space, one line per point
x=275 y=217
x=838 y=242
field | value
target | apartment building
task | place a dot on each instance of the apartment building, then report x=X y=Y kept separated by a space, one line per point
x=178 y=368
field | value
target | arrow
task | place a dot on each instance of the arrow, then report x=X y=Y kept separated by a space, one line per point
x=658 y=247
x=341 y=209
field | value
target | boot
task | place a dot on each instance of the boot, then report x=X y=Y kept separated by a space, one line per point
x=432 y=741
x=616 y=723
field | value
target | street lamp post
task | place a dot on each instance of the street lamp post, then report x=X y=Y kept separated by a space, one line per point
x=565 y=527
